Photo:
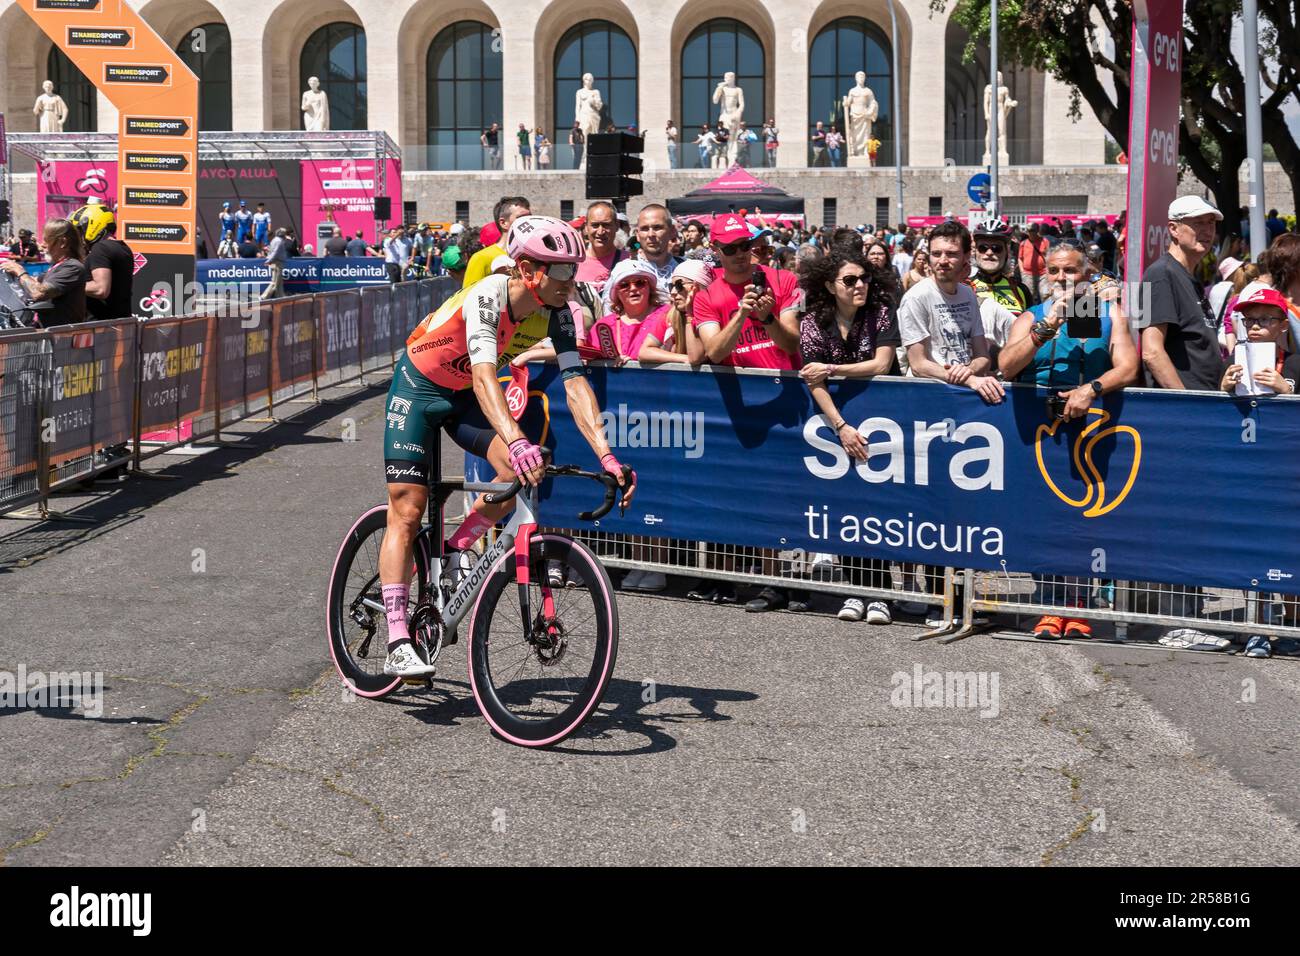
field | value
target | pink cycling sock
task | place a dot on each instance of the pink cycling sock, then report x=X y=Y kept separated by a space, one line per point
x=395 y=610
x=470 y=530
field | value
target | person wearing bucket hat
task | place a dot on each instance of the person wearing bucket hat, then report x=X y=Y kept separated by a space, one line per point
x=626 y=269
x=1180 y=346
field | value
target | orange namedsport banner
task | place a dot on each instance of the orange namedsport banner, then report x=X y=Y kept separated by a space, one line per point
x=157 y=98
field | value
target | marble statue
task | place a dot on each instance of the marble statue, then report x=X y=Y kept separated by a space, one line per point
x=1005 y=105
x=731 y=115
x=587 y=107
x=315 y=107
x=860 y=111
x=51 y=109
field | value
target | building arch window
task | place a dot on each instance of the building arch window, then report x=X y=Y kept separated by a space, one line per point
x=605 y=51
x=838 y=52
x=462 y=95
x=714 y=48
x=336 y=55
x=206 y=51
x=77 y=92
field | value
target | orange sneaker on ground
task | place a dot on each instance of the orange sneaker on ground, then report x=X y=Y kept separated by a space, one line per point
x=1048 y=628
x=1077 y=629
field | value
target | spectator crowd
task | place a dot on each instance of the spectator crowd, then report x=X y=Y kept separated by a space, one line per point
x=974 y=309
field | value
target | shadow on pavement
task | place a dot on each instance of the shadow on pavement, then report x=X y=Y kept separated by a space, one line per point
x=620 y=715
x=628 y=717
x=114 y=506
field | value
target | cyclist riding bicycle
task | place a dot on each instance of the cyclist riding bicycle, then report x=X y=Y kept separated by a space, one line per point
x=447 y=378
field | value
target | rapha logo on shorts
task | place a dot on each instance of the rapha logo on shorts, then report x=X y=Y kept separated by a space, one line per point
x=392 y=471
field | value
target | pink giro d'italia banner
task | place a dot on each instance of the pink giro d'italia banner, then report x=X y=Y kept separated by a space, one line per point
x=66 y=185
x=343 y=192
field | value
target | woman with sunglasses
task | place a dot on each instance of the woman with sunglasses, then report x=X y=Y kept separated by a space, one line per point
x=447 y=378
x=671 y=337
x=839 y=336
x=633 y=299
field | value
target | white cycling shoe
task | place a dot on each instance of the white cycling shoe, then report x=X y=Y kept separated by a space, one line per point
x=402 y=661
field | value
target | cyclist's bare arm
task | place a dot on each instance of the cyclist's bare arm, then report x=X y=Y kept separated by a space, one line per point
x=586 y=415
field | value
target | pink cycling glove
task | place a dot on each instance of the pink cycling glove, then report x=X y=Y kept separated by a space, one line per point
x=524 y=457
x=611 y=465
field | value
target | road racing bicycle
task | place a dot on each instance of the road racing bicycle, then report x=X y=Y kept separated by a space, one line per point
x=540 y=657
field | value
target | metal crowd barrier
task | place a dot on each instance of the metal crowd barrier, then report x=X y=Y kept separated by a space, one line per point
x=76 y=401
x=871 y=579
x=1125 y=610
x=964 y=599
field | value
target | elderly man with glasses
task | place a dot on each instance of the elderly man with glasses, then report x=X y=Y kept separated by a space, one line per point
x=1180 y=346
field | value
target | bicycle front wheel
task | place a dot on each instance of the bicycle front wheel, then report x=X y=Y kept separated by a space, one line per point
x=535 y=686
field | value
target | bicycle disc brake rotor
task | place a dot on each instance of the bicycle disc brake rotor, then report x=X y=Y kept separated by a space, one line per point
x=548 y=640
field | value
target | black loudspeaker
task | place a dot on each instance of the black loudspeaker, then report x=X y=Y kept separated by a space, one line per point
x=383 y=208
x=612 y=165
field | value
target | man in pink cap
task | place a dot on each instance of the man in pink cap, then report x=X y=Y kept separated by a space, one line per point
x=749 y=316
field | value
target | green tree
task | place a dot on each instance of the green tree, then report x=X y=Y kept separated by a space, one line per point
x=1070 y=40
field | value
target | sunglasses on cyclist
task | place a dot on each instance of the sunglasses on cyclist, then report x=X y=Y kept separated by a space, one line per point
x=989 y=247
x=851 y=281
x=562 y=271
x=735 y=248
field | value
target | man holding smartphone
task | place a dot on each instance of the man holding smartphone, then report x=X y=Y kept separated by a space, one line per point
x=750 y=318
x=1075 y=344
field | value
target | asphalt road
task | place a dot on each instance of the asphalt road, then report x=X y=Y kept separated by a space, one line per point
x=726 y=737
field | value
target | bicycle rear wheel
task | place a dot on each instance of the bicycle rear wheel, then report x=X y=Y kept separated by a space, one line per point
x=354 y=610
x=537 y=688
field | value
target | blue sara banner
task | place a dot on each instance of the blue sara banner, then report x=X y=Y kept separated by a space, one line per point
x=300 y=275
x=1183 y=488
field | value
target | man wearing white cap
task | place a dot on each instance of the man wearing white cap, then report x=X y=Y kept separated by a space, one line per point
x=1180 y=346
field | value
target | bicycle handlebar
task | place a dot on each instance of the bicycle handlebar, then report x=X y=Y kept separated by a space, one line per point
x=573 y=471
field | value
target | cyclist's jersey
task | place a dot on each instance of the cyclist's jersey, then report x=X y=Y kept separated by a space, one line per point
x=1005 y=291
x=476 y=325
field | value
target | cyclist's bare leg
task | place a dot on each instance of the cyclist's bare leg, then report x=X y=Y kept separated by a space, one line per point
x=483 y=515
x=406 y=504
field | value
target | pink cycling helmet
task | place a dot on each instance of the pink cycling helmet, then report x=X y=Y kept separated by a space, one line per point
x=543 y=239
